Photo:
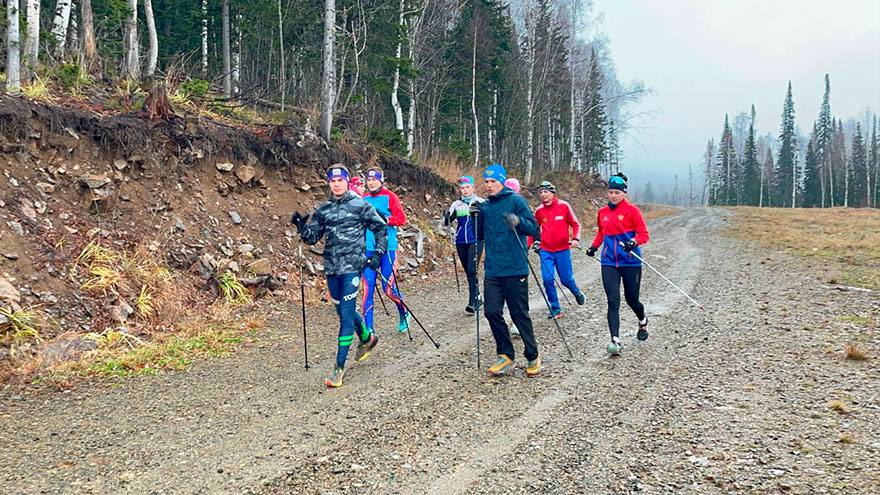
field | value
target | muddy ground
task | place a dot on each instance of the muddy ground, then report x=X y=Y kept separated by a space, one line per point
x=736 y=399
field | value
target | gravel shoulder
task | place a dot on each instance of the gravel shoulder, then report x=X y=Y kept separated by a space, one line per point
x=739 y=398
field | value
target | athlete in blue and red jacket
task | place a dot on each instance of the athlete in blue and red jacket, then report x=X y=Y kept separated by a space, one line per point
x=388 y=205
x=621 y=231
x=559 y=230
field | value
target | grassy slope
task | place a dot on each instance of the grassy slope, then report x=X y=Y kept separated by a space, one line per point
x=844 y=242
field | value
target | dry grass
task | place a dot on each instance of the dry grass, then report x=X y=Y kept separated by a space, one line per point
x=838 y=406
x=854 y=353
x=847 y=239
x=654 y=211
x=846 y=438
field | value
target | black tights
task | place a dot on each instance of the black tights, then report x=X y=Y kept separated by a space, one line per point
x=632 y=278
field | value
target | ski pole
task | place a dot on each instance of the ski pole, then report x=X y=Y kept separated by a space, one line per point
x=538 y=282
x=400 y=296
x=593 y=257
x=455 y=267
x=407 y=308
x=302 y=296
x=691 y=299
x=477 y=276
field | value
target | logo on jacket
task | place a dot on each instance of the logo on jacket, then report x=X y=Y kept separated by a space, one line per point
x=620 y=217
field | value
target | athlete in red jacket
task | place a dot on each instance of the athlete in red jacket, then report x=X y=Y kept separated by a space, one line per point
x=621 y=231
x=559 y=231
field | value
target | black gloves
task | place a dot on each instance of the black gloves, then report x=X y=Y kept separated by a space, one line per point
x=629 y=245
x=511 y=220
x=374 y=261
x=299 y=220
x=536 y=246
x=591 y=251
x=475 y=208
x=447 y=218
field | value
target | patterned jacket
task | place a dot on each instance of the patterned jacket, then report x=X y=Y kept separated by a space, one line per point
x=343 y=223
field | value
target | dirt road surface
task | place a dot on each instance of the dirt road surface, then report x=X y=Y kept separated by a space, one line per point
x=739 y=398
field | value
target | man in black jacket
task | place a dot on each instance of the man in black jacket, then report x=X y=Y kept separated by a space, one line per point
x=342 y=222
x=504 y=221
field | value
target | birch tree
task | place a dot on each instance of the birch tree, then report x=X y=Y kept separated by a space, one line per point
x=153 y=53
x=328 y=80
x=59 y=26
x=395 y=101
x=13 y=49
x=204 y=38
x=132 y=68
x=32 y=40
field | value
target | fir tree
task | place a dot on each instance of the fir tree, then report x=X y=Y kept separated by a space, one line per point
x=875 y=165
x=769 y=170
x=786 y=162
x=812 y=186
x=594 y=119
x=858 y=171
x=822 y=148
x=726 y=165
x=751 y=180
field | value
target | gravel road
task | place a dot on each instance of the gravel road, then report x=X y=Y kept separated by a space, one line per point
x=734 y=399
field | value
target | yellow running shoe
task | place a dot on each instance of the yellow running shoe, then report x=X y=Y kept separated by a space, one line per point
x=502 y=366
x=335 y=378
x=534 y=368
x=365 y=348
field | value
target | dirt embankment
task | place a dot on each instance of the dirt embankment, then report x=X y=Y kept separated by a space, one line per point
x=125 y=223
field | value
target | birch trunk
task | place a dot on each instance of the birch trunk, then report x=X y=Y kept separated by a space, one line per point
x=132 y=56
x=530 y=110
x=493 y=124
x=227 y=56
x=59 y=26
x=90 y=46
x=411 y=124
x=474 y=101
x=205 y=38
x=153 y=53
x=395 y=102
x=13 y=48
x=282 y=73
x=32 y=40
x=328 y=82
x=236 y=58
x=846 y=186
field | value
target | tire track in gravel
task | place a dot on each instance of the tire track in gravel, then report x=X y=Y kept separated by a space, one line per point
x=596 y=372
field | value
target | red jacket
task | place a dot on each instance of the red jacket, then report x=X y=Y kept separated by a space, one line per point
x=616 y=225
x=554 y=222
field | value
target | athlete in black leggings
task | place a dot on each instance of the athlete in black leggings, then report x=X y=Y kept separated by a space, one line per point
x=621 y=231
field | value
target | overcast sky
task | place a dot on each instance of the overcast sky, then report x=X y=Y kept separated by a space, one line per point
x=706 y=58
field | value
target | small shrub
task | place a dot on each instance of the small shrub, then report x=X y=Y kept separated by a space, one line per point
x=37 y=90
x=853 y=353
x=70 y=76
x=195 y=88
x=233 y=290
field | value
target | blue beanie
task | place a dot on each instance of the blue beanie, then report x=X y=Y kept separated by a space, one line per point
x=496 y=172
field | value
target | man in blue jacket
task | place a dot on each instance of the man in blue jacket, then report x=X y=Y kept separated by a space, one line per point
x=504 y=221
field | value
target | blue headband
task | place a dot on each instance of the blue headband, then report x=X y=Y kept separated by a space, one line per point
x=465 y=180
x=337 y=172
x=375 y=174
